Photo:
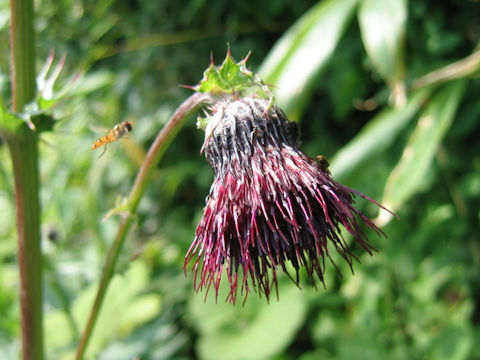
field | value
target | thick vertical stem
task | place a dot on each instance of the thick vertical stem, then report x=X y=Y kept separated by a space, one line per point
x=22 y=39
x=24 y=152
x=23 y=146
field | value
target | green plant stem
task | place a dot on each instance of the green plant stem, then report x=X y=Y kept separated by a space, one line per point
x=24 y=153
x=465 y=67
x=144 y=175
x=23 y=145
x=22 y=39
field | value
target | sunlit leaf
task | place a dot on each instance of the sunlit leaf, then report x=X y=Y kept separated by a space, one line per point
x=303 y=51
x=92 y=82
x=239 y=332
x=410 y=174
x=4 y=14
x=231 y=78
x=382 y=25
x=377 y=135
x=49 y=93
x=141 y=309
x=123 y=296
x=56 y=322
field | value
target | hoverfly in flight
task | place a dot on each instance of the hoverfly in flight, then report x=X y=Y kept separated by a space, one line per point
x=118 y=131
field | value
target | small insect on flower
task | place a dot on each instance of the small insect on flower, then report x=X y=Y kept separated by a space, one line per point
x=118 y=131
x=323 y=163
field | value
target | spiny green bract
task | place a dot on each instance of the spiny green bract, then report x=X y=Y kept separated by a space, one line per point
x=231 y=79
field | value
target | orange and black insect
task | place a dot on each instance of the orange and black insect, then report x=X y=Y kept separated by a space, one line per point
x=118 y=131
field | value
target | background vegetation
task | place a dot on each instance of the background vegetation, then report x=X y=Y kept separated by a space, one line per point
x=352 y=74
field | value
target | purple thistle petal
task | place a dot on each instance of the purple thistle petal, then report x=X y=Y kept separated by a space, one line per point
x=269 y=204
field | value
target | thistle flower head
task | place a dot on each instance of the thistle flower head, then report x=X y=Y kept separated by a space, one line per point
x=270 y=205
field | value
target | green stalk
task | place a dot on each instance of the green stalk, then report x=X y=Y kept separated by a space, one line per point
x=24 y=152
x=466 y=67
x=22 y=42
x=142 y=180
x=23 y=145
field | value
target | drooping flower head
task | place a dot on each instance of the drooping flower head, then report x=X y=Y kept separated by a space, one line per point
x=270 y=205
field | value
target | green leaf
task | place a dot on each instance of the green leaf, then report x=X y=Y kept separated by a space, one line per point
x=140 y=310
x=454 y=342
x=4 y=14
x=361 y=346
x=382 y=25
x=232 y=78
x=376 y=136
x=120 y=314
x=302 y=52
x=409 y=175
x=91 y=82
x=9 y=123
x=238 y=332
x=47 y=82
x=42 y=122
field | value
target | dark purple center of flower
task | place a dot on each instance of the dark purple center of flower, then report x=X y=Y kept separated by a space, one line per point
x=244 y=127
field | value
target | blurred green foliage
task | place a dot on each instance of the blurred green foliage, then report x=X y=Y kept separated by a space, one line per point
x=344 y=69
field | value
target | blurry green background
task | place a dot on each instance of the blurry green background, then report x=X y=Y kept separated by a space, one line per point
x=348 y=71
